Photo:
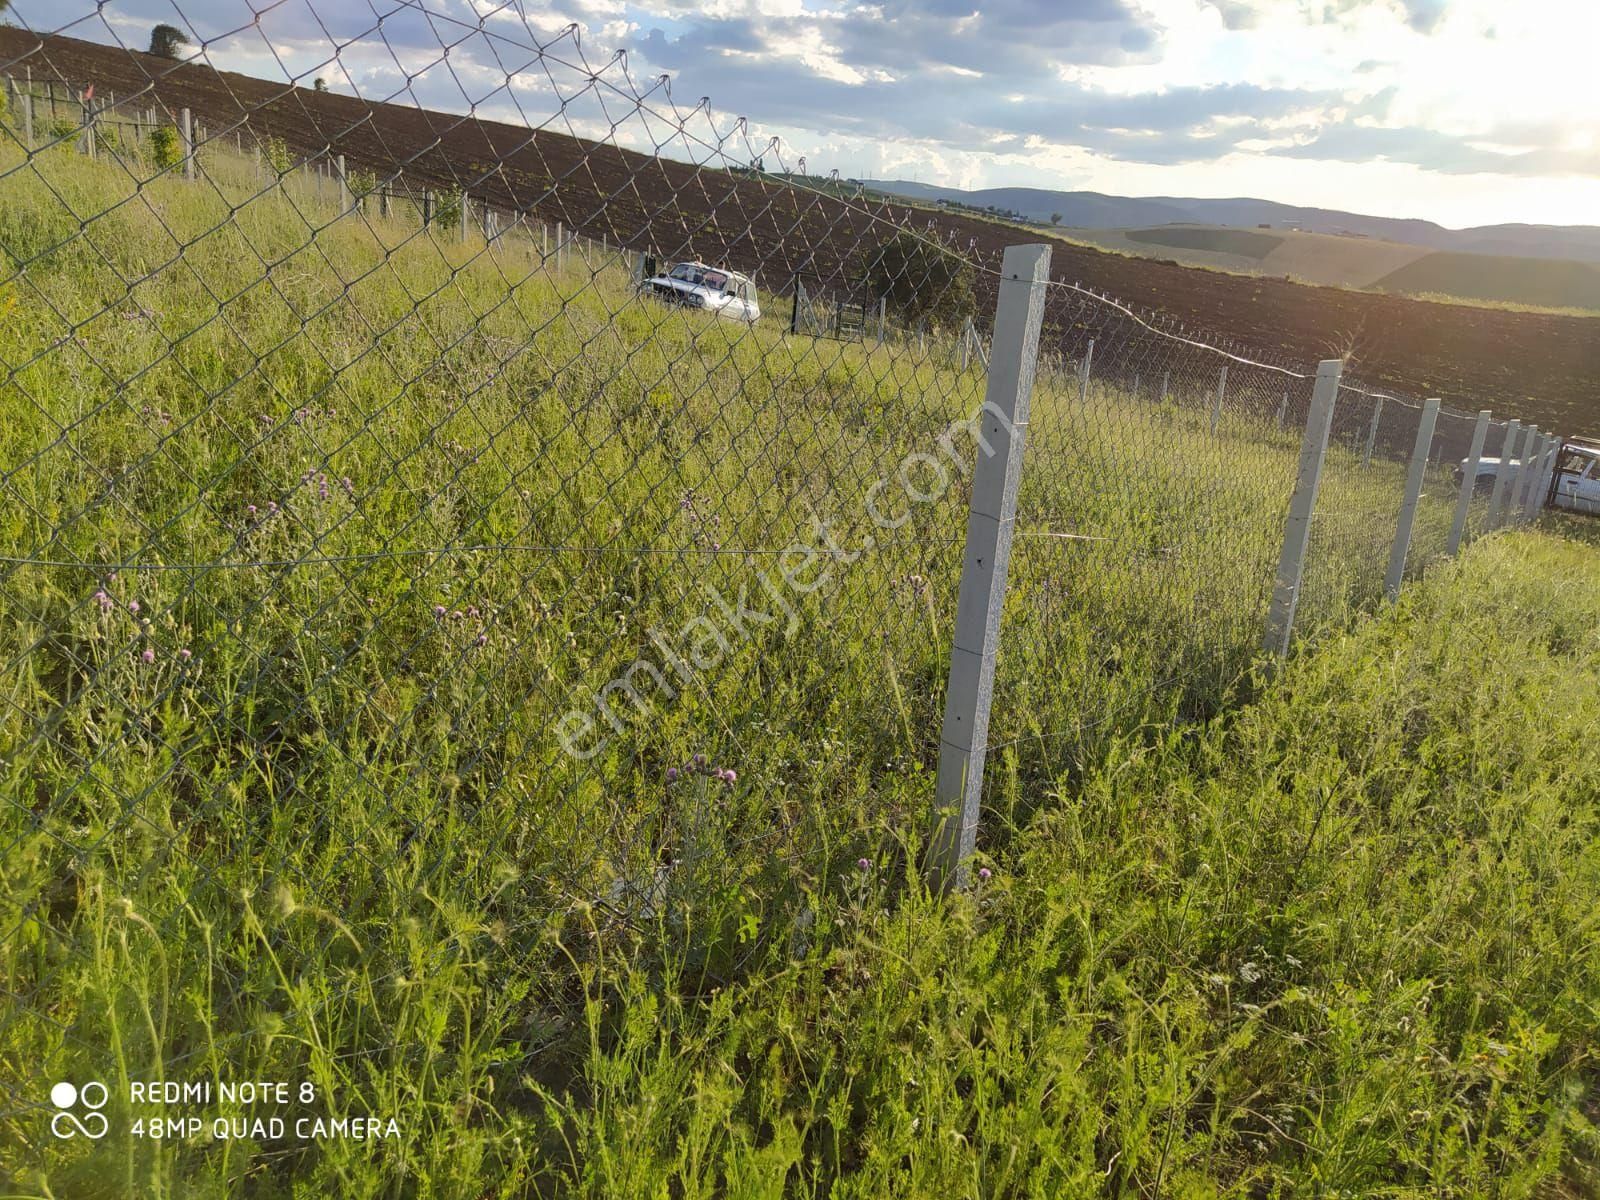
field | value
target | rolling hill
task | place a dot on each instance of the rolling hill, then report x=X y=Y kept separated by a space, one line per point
x=1095 y=210
x=1543 y=364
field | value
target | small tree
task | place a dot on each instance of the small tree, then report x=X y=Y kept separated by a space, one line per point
x=1055 y=218
x=320 y=84
x=167 y=41
x=922 y=280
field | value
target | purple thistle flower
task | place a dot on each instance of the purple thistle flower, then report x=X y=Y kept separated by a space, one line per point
x=863 y=864
x=730 y=776
x=250 y=509
x=103 y=600
x=438 y=612
x=699 y=760
x=272 y=506
x=672 y=774
x=147 y=655
x=185 y=654
x=133 y=606
x=985 y=874
x=481 y=640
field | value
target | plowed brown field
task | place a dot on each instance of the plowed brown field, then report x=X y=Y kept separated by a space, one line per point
x=1542 y=367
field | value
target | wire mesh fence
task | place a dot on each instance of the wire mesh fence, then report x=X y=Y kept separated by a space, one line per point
x=384 y=515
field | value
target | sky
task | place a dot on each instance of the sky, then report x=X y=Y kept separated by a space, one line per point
x=1464 y=112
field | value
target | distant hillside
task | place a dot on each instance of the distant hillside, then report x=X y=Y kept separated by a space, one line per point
x=1490 y=277
x=1094 y=210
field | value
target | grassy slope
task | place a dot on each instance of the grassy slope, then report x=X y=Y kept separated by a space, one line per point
x=336 y=843
x=1341 y=944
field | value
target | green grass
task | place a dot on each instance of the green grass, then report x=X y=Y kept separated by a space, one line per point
x=337 y=841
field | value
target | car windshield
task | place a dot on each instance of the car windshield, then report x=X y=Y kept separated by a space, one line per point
x=694 y=273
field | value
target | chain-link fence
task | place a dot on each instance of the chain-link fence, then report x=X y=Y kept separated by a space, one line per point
x=496 y=499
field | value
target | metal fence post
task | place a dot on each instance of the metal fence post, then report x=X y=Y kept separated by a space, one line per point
x=1469 y=483
x=1497 y=498
x=1222 y=391
x=1003 y=427
x=1297 y=531
x=1408 y=507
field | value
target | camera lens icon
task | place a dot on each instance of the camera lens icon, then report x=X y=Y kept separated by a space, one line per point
x=67 y=1123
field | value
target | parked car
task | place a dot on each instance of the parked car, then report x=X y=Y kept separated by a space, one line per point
x=695 y=285
x=1577 y=480
x=1575 y=486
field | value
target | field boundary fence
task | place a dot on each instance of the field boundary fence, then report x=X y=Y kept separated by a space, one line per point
x=368 y=528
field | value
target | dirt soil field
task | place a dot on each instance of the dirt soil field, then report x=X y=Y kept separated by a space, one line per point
x=1544 y=368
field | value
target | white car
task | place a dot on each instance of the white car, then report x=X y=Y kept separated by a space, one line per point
x=713 y=289
x=1577 y=479
x=1575 y=486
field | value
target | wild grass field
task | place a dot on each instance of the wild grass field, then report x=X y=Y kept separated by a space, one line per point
x=316 y=530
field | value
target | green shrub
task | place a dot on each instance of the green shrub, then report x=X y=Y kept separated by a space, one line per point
x=165 y=147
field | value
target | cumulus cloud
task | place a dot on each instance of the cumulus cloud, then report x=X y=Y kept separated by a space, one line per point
x=1174 y=84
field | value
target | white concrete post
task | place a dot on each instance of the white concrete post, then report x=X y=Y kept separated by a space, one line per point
x=1549 y=474
x=1001 y=427
x=1502 y=474
x=966 y=344
x=1469 y=483
x=561 y=245
x=1222 y=391
x=1518 y=488
x=186 y=136
x=883 y=316
x=1166 y=385
x=344 y=186
x=1530 y=505
x=27 y=120
x=1283 y=407
x=1372 y=431
x=1083 y=373
x=1408 y=507
x=1297 y=532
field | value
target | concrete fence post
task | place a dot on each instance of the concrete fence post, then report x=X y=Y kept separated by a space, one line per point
x=1548 y=482
x=186 y=136
x=1530 y=505
x=1222 y=391
x=27 y=121
x=1084 y=372
x=966 y=344
x=1002 y=426
x=1415 y=477
x=1372 y=432
x=1502 y=473
x=1166 y=385
x=344 y=186
x=1297 y=531
x=1469 y=483
x=1517 y=490
x=883 y=316
x=1283 y=408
